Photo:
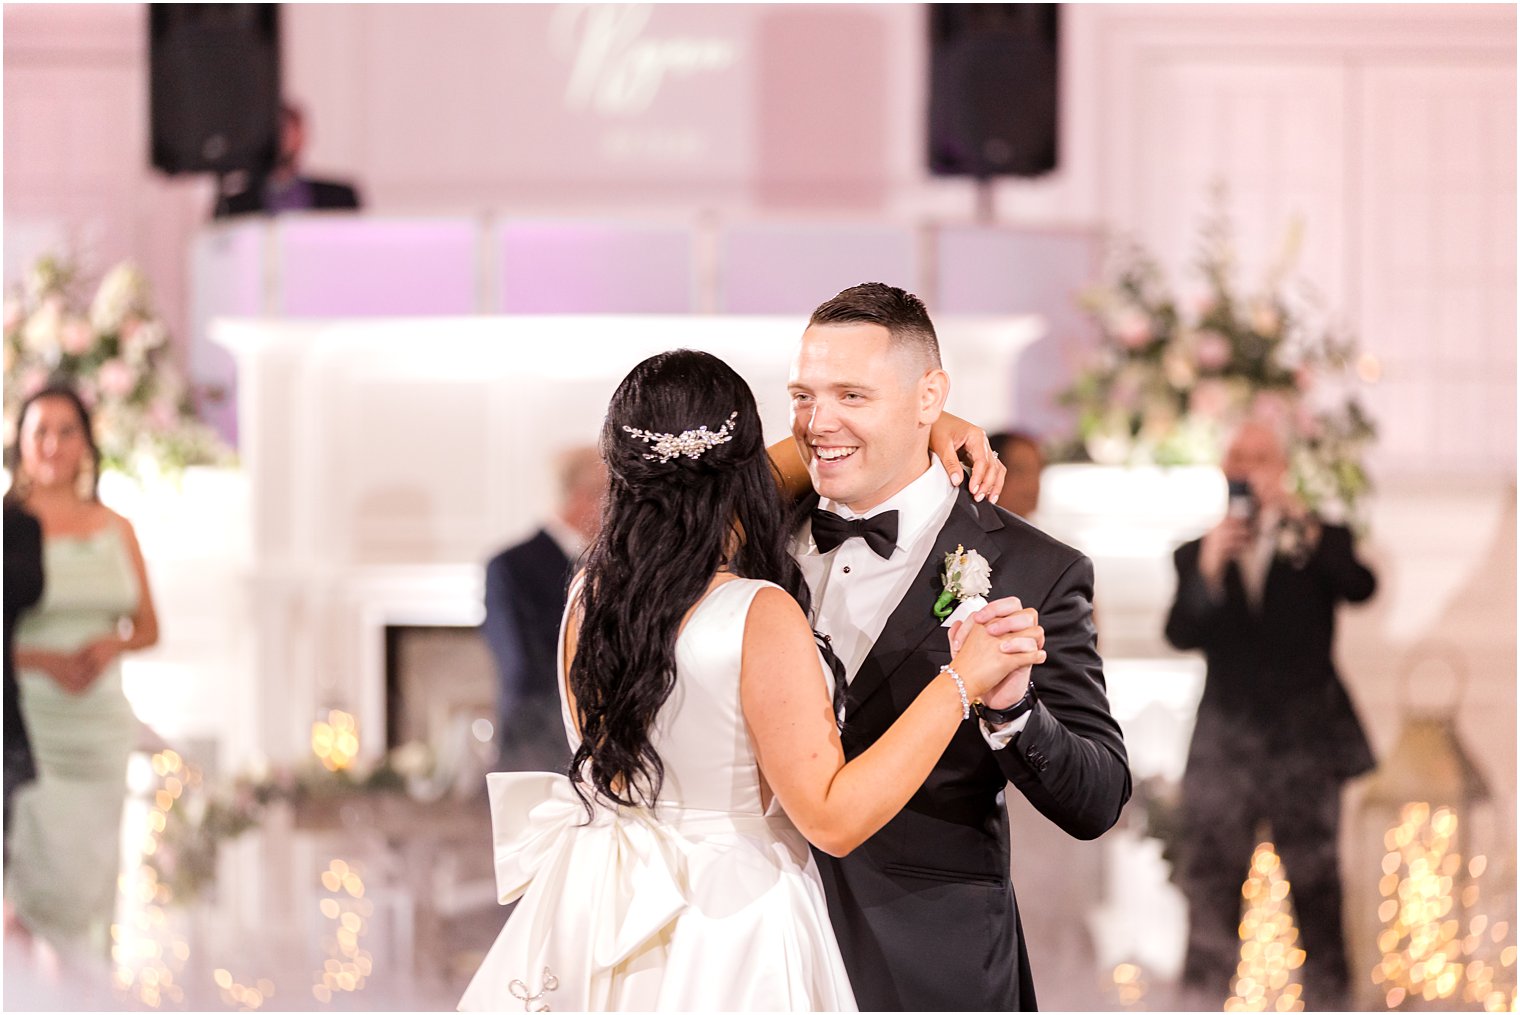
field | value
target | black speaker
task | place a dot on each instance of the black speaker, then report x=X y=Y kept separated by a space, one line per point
x=215 y=94
x=993 y=100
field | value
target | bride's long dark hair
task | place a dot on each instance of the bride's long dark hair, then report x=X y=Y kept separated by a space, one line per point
x=667 y=527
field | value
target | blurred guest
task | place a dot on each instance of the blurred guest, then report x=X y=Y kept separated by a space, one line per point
x=23 y=587
x=284 y=188
x=1021 y=455
x=525 y=600
x=65 y=842
x=1276 y=735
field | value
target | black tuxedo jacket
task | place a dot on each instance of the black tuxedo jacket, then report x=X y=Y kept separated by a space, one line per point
x=326 y=195
x=23 y=589
x=526 y=589
x=1271 y=669
x=924 y=910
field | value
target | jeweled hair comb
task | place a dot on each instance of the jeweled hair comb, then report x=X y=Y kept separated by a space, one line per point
x=691 y=443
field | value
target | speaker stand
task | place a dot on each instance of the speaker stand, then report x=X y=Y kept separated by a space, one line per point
x=986 y=204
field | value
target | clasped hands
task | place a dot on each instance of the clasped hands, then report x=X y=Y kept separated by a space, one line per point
x=76 y=671
x=1019 y=628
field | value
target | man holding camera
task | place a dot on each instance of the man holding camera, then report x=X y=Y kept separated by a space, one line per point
x=1276 y=736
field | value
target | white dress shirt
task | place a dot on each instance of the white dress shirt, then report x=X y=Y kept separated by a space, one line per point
x=1256 y=560
x=855 y=591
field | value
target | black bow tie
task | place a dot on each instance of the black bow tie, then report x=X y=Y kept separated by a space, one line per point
x=879 y=531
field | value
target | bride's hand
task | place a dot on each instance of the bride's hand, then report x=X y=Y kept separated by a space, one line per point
x=958 y=634
x=949 y=435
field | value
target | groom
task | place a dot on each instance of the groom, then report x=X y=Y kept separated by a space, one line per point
x=923 y=910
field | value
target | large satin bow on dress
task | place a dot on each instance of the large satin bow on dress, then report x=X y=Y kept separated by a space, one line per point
x=538 y=823
x=637 y=908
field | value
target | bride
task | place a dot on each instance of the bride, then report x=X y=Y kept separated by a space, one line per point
x=670 y=870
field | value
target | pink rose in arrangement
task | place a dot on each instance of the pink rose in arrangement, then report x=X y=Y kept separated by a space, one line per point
x=162 y=415
x=1213 y=351
x=1209 y=399
x=77 y=337
x=12 y=313
x=1133 y=328
x=1124 y=395
x=116 y=378
x=88 y=391
x=1303 y=379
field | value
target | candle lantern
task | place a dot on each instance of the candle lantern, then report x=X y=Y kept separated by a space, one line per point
x=1442 y=941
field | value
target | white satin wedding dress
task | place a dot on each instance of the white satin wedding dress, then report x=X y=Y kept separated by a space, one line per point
x=708 y=901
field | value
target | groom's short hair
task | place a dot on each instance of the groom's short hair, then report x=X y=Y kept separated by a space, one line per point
x=903 y=315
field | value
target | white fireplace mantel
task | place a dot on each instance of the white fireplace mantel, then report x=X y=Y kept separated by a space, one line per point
x=387 y=459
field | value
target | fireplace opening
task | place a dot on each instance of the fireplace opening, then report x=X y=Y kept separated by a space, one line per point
x=440 y=686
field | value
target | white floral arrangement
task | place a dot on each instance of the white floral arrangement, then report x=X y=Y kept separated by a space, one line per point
x=114 y=351
x=1170 y=379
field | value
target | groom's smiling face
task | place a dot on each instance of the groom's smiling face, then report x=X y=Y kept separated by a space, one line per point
x=862 y=407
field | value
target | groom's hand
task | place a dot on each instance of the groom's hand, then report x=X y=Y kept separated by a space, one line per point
x=1020 y=631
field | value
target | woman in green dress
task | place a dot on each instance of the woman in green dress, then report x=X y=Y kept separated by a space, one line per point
x=66 y=834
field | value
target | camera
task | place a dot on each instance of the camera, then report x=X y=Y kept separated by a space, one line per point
x=1242 y=503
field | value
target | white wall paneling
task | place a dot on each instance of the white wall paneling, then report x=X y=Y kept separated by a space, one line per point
x=1390 y=132
x=1436 y=259
x=77 y=178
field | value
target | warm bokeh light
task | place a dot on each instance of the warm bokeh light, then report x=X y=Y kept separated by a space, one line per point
x=1129 y=986
x=347 y=965
x=142 y=944
x=1267 y=977
x=1426 y=956
x=1369 y=368
x=336 y=741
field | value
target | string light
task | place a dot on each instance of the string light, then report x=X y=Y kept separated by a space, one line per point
x=142 y=947
x=1267 y=976
x=1128 y=985
x=247 y=997
x=336 y=741
x=347 y=965
x=1426 y=957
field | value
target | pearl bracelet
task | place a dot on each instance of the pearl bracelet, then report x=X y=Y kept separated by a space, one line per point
x=960 y=685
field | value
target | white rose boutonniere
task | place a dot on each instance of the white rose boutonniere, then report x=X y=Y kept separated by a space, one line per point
x=1296 y=540
x=967 y=575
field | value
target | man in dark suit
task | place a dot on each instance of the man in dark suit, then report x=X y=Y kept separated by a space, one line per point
x=1276 y=736
x=526 y=587
x=23 y=588
x=924 y=910
x=284 y=188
